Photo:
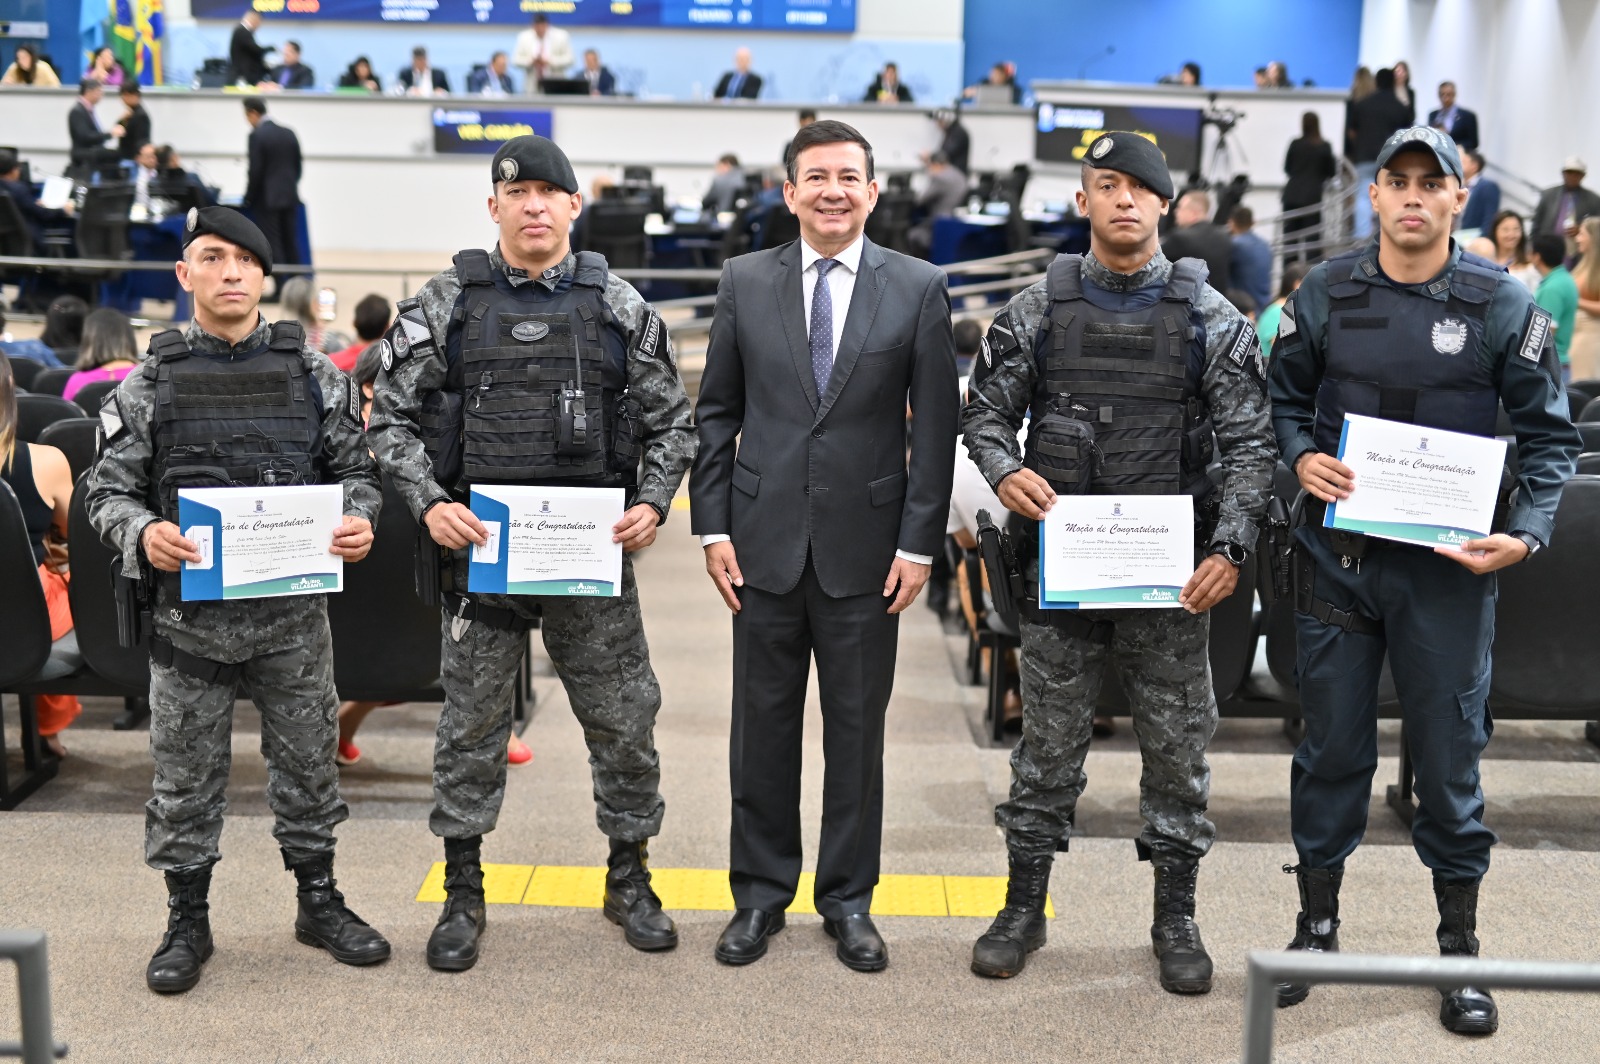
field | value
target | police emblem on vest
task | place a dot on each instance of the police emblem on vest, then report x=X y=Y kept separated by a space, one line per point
x=1450 y=336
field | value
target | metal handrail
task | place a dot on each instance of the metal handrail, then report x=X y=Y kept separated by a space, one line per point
x=27 y=949
x=1265 y=969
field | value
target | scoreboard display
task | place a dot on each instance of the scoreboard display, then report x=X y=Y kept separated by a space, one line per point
x=824 y=16
x=1065 y=131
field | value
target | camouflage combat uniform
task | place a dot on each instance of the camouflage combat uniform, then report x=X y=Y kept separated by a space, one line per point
x=597 y=645
x=283 y=644
x=1161 y=653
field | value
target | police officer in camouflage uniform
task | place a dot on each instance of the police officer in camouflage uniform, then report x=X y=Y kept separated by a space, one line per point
x=1409 y=329
x=234 y=401
x=1134 y=371
x=531 y=365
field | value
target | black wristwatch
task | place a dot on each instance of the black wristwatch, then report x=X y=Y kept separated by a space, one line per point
x=1234 y=553
x=1531 y=540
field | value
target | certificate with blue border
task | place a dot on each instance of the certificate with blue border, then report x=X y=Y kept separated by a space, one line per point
x=261 y=542
x=1115 y=551
x=547 y=541
x=1418 y=485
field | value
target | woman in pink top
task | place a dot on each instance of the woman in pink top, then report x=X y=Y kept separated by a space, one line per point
x=108 y=351
x=105 y=69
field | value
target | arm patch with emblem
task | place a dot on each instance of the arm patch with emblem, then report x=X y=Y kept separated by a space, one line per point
x=354 y=406
x=1245 y=353
x=1286 y=322
x=998 y=344
x=1537 y=333
x=111 y=425
x=409 y=332
x=650 y=338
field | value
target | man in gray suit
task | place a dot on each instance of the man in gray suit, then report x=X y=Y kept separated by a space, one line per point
x=818 y=531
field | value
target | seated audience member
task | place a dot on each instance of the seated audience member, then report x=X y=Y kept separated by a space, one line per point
x=1267 y=323
x=955 y=143
x=727 y=184
x=601 y=81
x=1557 y=292
x=42 y=481
x=1481 y=246
x=1002 y=75
x=947 y=190
x=491 y=80
x=291 y=73
x=146 y=169
x=298 y=297
x=1278 y=76
x=807 y=116
x=105 y=69
x=364 y=374
x=135 y=121
x=170 y=165
x=35 y=215
x=1511 y=247
x=1251 y=263
x=109 y=351
x=1190 y=75
x=32 y=349
x=372 y=317
x=739 y=83
x=969 y=341
x=63 y=327
x=28 y=69
x=359 y=75
x=1243 y=302
x=1261 y=77
x=419 y=79
x=1196 y=236
x=887 y=87
x=1483 y=193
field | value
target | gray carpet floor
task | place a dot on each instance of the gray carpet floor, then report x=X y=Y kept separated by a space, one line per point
x=560 y=984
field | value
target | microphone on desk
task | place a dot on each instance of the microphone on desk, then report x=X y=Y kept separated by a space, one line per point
x=1083 y=70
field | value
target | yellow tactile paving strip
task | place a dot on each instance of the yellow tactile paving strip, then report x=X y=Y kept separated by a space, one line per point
x=707 y=889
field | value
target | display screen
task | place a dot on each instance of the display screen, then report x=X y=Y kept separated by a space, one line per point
x=1064 y=131
x=481 y=130
x=826 y=16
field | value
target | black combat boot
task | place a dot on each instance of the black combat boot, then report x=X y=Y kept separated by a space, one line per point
x=630 y=902
x=1019 y=928
x=1465 y=1010
x=1317 y=927
x=187 y=944
x=1185 y=964
x=325 y=921
x=453 y=946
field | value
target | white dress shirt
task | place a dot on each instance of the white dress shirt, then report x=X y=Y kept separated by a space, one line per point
x=841 y=281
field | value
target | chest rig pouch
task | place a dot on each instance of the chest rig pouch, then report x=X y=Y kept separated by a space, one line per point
x=1118 y=409
x=541 y=375
x=1403 y=356
x=249 y=421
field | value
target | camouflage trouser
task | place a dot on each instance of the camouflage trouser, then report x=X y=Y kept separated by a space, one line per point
x=1161 y=655
x=191 y=730
x=599 y=651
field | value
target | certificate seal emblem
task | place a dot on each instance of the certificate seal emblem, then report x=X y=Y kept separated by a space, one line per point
x=1102 y=149
x=529 y=331
x=1450 y=336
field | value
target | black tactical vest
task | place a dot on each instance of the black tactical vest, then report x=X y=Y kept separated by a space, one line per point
x=1118 y=408
x=250 y=421
x=1393 y=355
x=541 y=374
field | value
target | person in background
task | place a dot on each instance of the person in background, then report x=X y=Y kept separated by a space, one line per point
x=419 y=79
x=1372 y=120
x=544 y=51
x=272 y=187
x=298 y=296
x=1250 y=268
x=1460 y=123
x=33 y=350
x=35 y=215
x=1261 y=78
x=807 y=116
x=108 y=352
x=601 y=81
x=1002 y=74
x=42 y=481
x=1557 y=294
x=491 y=80
x=105 y=69
x=1511 y=247
x=1402 y=90
x=1562 y=207
x=135 y=121
x=946 y=191
x=1483 y=192
x=83 y=127
x=887 y=87
x=727 y=182
x=170 y=165
x=1267 y=322
x=247 y=60
x=969 y=342
x=63 y=327
x=1308 y=165
x=1585 y=349
x=1278 y=76
x=28 y=69
x=1196 y=236
x=739 y=83
x=372 y=317
x=291 y=73
x=955 y=143
x=359 y=75
x=1362 y=85
x=144 y=172
x=1243 y=302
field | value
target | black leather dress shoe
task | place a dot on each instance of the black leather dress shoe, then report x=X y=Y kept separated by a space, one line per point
x=860 y=945
x=745 y=938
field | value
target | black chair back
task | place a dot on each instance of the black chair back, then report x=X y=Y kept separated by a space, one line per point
x=76 y=437
x=1589 y=386
x=616 y=230
x=1590 y=411
x=1590 y=431
x=102 y=231
x=52 y=381
x=779 y=227
x=890 y=220
x=94 y=604
x=1577 y=402
x=23 y=616
x=91 y=395
x=386 y=642
x=24 y=371
x=34 y=412
x=15 y=237
x=1589 y=463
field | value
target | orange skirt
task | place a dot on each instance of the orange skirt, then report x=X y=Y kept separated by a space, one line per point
x=55 y=712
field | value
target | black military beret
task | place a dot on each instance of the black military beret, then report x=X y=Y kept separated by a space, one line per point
x=533 y=158
x=231 y=226
x=1134 y=155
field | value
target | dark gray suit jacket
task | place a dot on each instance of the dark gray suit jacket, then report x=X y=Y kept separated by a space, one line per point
x=1544 y=215
x=826 y=475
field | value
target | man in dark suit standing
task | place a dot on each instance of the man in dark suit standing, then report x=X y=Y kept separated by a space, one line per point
x=247 y=60
x=292 y=74
x=1460 y=123
x=1196 y=236
x=817 y=532
x=1562 y=207
x=1483 y=194
x=272 y=191
x=419 y=79
x=135 y=121
x=88 y=139
x=739 y=83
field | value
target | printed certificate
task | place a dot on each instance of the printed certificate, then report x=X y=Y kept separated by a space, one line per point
x=261 y=542
x=547 y=541
x=1115 y=551
x=1417 y=485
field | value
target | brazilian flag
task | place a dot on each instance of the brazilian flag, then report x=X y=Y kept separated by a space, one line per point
x=137 y=30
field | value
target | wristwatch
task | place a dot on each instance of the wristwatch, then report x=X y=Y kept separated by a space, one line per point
x=1234 y=553
x=1531 y=540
